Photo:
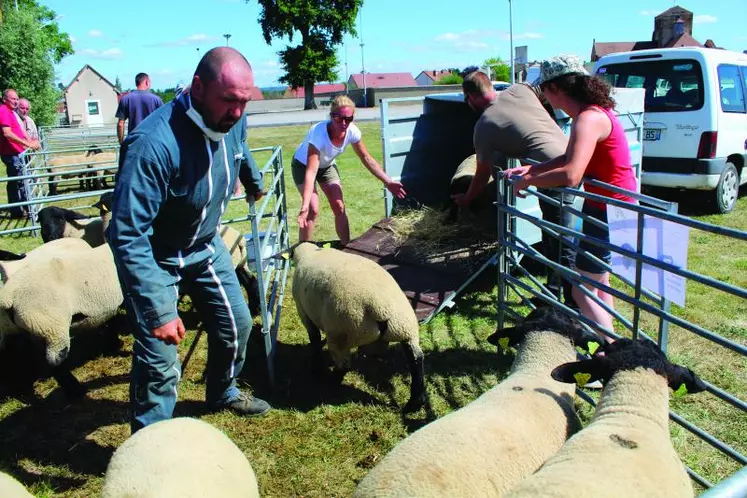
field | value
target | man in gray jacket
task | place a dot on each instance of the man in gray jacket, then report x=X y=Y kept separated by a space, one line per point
x=177 y=171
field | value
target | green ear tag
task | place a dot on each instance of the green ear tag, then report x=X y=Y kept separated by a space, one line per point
x=285 y=255
x=581 y=378
x=681 y=391
x=503 y=343
x=581 y=350
x=326 y=245
x=593 y=346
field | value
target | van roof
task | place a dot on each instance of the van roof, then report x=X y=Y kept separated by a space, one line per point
x=701 y=53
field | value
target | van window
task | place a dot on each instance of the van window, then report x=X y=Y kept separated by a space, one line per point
x=671 y=85
x=730 y=88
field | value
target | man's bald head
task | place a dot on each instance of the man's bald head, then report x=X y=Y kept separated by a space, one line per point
x=216 y=60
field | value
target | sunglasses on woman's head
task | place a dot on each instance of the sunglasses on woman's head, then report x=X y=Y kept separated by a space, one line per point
x=340 y=118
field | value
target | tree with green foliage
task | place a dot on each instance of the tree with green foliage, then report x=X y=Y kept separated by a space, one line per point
x=118 y=84
x=449 y=79
x=321 y=25
x=499 y=70
x=30 y=45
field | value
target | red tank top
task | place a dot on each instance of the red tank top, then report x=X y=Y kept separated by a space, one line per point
x=610 y=163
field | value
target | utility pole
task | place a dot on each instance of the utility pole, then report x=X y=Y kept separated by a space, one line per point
x=511 y=39
x=363 y=65
x=347 y=75
x=227 y=36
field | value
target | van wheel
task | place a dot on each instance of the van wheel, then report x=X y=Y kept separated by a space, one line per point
x=728 y=189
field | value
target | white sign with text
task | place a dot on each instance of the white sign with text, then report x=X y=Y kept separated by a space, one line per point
x=662 y=240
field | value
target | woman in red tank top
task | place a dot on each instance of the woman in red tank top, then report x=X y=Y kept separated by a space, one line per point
x=598 y=149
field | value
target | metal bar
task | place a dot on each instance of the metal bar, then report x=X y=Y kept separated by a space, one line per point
x=708 y=438
x=638 y=276
x=734 y=486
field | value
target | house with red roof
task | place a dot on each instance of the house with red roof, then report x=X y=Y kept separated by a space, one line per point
x=381 y=80
x=672 y=28
x=430 y=77
x=322 y=89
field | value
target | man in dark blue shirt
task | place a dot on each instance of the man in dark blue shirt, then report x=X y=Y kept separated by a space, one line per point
x=136 y=105
x=177 y=172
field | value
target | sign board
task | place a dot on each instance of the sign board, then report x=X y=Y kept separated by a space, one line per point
x=662 y=240
x=521 y=54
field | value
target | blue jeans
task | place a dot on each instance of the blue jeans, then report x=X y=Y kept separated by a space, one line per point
x=208 y=276
x=16 y=192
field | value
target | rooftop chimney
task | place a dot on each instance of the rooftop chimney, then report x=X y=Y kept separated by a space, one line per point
x=679 y=27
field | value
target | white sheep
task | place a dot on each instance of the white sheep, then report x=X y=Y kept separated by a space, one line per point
x=40 y=253
x=627 y=442
x=57 y=223
x=76 y=289
x=61 y=165
x=10 y=488
x=490 y=445
x=180 y=457
x=355 y=302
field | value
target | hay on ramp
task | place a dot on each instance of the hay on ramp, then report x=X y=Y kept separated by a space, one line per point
x=427 y=236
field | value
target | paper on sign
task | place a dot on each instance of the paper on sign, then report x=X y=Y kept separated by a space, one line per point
x=662 y=240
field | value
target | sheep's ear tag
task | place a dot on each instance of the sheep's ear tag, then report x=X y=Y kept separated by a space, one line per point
x=104 y=209
x=503 y=343
x=592 y=346
x=326 y=245
x=681 y=391
x=581 y=350
x=581 y=378
x=285 y=255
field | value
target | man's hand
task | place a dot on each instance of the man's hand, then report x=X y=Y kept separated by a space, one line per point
x=518 y=171
x=35 y=145
x=255 y=196
x=396 y=188
x=170 y=333
x=519 y=183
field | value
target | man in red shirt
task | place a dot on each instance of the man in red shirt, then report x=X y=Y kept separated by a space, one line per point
x=13 y=142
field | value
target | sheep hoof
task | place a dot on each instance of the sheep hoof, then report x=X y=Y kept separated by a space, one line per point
x=415 y=404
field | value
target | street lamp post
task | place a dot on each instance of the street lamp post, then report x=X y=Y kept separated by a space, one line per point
x=227 y=36
x=511 y=39
x=363 y=65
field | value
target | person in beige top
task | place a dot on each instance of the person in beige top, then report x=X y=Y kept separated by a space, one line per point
x=515 y=124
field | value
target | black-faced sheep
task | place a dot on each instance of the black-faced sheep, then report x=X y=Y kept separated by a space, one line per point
x=491 y=444
x=355 y=302
x=76 y=290
x=57 y=223
x=627 y=441
x=10 y=488
x=181 y=457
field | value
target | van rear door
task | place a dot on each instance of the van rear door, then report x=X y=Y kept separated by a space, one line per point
x=676 y=112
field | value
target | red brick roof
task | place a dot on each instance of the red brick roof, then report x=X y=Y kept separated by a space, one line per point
x=257 y=93
x=601 y=49
x=684 y=40
x=434 y=75
x=384 y=80
x=318 y=90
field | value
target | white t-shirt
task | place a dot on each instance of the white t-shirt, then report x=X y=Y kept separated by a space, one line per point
x=319 y=137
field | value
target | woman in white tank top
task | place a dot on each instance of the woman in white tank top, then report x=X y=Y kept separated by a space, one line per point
x=314 y=162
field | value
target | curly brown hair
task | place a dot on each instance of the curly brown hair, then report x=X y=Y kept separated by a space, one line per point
x=591 y=90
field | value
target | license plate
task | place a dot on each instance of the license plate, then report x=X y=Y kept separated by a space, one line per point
x=651 y=135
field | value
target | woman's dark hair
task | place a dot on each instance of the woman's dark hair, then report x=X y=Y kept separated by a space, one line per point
x=591 y=90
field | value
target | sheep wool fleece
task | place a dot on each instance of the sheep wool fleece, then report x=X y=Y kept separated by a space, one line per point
x=172 y=187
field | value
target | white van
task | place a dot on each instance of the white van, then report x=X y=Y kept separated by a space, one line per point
x=695 y=122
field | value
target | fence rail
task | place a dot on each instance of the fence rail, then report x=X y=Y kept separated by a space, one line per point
x=514 y=278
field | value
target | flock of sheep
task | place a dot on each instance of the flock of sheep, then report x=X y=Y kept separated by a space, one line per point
x=520 y=438
x=66 y=167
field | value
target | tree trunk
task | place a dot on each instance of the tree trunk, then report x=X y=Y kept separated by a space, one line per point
x=308 y=88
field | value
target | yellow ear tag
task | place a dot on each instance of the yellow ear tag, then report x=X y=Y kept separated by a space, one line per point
x=104 y=209
x=581 y=378
x=326 y=245
x=681 y=391
x=503 y=343
x=593 y=346
x=285 y=255
x=581 y=350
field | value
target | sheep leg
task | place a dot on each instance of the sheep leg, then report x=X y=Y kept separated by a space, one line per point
x=67 y=381
x=251 y=285
x=417 y=373
x=315 y=338
x=52 y=186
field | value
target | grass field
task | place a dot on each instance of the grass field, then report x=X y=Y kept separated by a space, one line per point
x=320 y=441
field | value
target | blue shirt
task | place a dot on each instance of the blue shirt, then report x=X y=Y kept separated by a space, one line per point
x=136 y=106
x=172 y=187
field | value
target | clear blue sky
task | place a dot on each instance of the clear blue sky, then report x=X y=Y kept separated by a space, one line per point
x=163 y=38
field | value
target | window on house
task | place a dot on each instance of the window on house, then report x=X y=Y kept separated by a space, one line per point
x=93 y=108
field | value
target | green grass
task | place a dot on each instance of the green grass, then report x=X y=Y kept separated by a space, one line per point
x=319 y=440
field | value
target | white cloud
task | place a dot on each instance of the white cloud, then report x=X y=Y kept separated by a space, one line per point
x=73 y=39
x=704 y=19
x=476 y=40
x=95 y=33
x=524 y=36
x=110 y=53
x=271 y=63
x=195 y=39
x=447 y=37
x=649 y=13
